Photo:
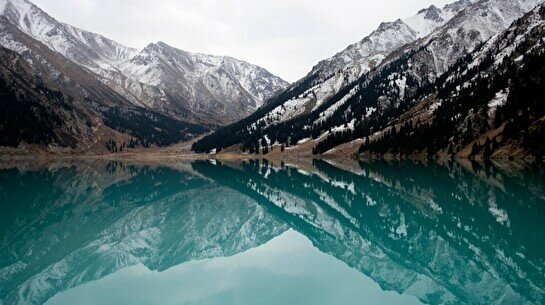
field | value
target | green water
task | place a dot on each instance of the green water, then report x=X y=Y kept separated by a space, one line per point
x=256 y=233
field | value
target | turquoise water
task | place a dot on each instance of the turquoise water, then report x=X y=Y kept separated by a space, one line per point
x=207 y=232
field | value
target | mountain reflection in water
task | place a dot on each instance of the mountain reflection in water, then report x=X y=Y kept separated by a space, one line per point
x=445 y=234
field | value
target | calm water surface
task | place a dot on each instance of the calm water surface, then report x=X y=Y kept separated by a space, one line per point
x=255 y=233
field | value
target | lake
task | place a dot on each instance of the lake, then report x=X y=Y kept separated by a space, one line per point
x=254 y=232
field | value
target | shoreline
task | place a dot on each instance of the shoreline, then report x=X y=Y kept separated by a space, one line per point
x=162 y=157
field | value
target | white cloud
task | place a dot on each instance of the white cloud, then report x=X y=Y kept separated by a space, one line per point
x=286 y=37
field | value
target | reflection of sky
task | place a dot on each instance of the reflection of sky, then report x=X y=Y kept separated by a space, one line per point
x=287 y=270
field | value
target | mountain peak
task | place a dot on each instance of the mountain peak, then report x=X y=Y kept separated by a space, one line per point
x=434 y=13
x=15 y=3
x=457 y=6
x=163 y=44
x=430 y=8
x=384 y=26
x=156 y=46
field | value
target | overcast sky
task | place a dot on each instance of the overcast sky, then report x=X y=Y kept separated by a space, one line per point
x=287 y=37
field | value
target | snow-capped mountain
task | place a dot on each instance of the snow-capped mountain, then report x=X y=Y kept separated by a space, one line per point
x=92 y=90
x=51 y=103
x=200 y=88
x=366 y=54
x=364 y=103
x=216 y=89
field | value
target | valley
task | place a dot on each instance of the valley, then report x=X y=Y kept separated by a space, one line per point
x=460 y=81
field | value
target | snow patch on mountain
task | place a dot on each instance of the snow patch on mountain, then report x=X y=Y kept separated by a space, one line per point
x=499 y=100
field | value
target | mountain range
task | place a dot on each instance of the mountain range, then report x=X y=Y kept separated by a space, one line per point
x=392 y=93
x=104 y=91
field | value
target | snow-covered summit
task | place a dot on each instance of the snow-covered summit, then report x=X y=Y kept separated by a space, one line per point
x=478 y=23
x=216 y=89
x=83 y=47
x=364 y=55
x=148 y=66
x=427 y=20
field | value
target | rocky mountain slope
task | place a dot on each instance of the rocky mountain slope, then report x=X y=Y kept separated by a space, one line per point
x=57 y=105
x=159 y=95
x=52 y=101
x=33 y=113
x=369 y=105
x=490 y=104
